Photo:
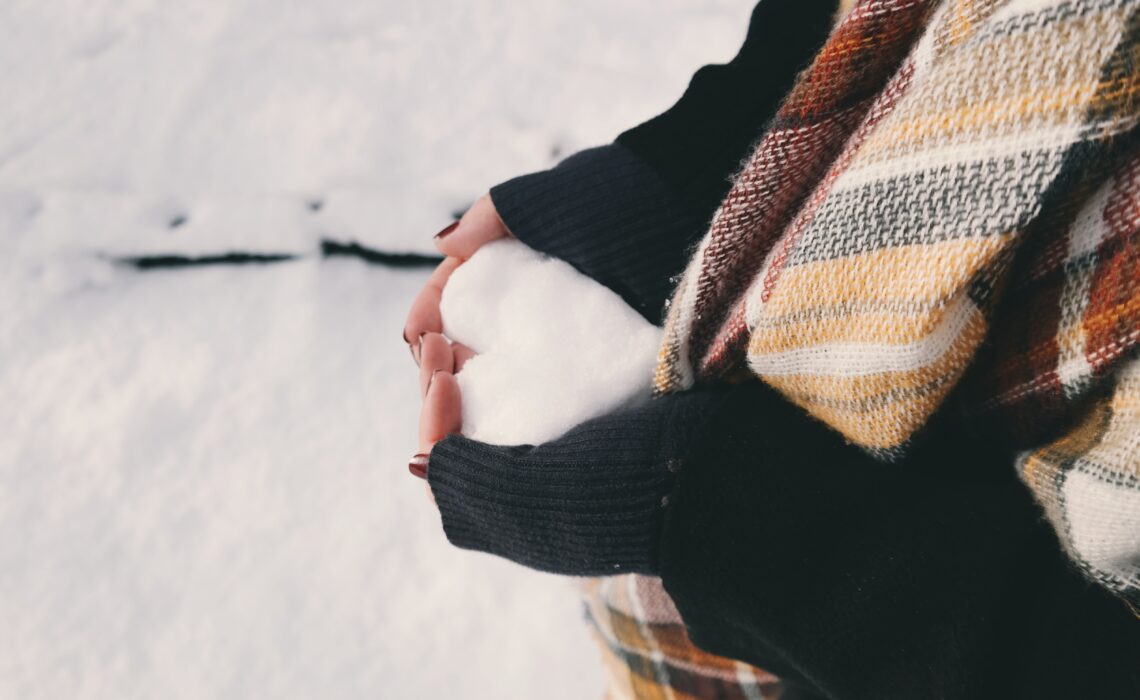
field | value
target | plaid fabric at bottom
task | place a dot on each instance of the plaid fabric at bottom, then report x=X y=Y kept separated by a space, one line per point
x=647 y=654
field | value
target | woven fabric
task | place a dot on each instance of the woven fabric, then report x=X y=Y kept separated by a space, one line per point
x=646 y=653
x=950 y=186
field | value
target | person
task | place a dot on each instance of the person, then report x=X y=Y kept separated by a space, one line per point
x=895 y=451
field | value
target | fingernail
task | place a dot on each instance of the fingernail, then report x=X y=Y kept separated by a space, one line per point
x=418 y=348
x=430 y=380
x=418 y=466
x=411 y=348
x=446 y=230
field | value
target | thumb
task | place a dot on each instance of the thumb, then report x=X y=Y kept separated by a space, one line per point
x=442 y=410
x=479 y=226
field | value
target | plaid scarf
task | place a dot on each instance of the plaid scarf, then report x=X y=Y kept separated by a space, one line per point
x=950 y=186
x=647 y=654
x=948 y=198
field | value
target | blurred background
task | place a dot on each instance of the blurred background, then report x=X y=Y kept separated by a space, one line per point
x=203 y=480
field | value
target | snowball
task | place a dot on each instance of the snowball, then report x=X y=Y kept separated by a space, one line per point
x=555 y=348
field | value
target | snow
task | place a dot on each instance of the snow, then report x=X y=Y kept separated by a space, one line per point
x=205 y=485
x=543 y=366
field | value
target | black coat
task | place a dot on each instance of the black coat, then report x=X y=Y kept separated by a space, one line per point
x=781 y=545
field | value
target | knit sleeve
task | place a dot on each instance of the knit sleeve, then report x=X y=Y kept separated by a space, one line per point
x=627 y=214
x=786 y=548
x=588 y=503
x=609 y=215
x=1088 y=482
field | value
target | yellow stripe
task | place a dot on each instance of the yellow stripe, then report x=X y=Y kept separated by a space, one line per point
x=882 y=411
x=931 y=275
x=955 y=101
x=923 y=272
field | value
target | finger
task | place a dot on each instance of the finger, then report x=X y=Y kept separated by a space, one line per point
x=435 y=354
x=479 y=226
x=441 y=414
x=424 y=316
x=462 y=354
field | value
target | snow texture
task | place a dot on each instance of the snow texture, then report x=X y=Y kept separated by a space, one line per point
x=555 y=347
x=205 y=492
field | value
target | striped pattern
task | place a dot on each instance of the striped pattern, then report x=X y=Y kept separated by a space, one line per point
x=950 y=186
x=1065 y=378
x=646 y=653
x=809 y=129
x=1088 y=497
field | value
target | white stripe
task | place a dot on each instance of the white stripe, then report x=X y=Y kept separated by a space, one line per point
x=1089 y=228
x=1086 y=233
x=1023 y=7
x=863 y=359
x=682 y=325
x=1104 y=520
x=1073 y=368
x=747 y=681
x=1054 y=140
x=654 y=650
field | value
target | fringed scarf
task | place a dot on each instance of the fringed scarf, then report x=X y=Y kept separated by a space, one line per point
x=949 y=197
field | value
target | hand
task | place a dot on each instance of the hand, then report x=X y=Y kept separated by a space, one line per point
x=459 y=241
x=441 y=413
x=439 y=359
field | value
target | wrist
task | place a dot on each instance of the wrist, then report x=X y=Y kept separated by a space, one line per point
x=590 y=503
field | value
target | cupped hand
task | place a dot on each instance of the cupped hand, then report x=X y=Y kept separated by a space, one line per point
x=441 y=413
x=438 y=358
x=459 y=241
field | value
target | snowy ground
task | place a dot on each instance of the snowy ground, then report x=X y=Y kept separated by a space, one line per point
x=204 y=486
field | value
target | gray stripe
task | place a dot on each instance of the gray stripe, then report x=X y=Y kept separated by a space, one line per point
x=950 y=202
x=875 y=402
x=1031 y=21
x=1106 y=474
x=829 y=312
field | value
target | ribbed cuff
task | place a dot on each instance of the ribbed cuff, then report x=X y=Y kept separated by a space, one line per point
x=588 y=504
x=611 y=216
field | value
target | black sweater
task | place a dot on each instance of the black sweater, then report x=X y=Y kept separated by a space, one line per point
x=781 y=545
